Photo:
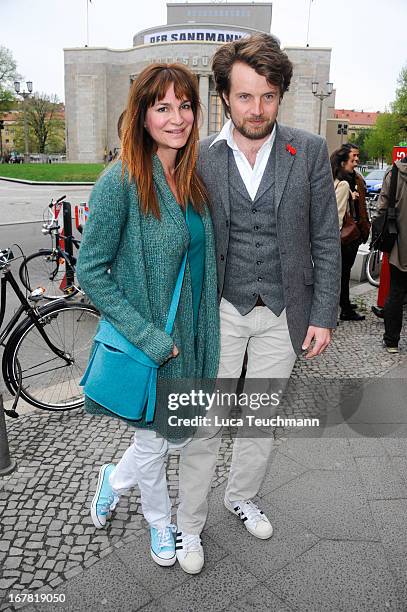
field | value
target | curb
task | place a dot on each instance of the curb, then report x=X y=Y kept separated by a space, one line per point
x=25 y=182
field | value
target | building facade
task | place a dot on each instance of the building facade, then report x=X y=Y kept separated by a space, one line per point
x=97 y=80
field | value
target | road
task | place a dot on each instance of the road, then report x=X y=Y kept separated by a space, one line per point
x=21 y=203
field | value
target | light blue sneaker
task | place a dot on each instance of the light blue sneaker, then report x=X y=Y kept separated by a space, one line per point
x=105 y=499
x=163 y=545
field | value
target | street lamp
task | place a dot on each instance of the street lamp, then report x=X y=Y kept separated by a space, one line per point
x=25 y=95
x=321 y=95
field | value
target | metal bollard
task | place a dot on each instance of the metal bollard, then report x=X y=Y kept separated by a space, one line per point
x=7 y=465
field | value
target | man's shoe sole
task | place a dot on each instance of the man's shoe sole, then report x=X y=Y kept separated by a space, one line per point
x=188 y=571
x=163 y=562
x=93 y=513
x=256 y=535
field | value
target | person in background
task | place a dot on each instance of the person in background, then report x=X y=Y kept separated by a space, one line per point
x=343 y=165
x=393 y=308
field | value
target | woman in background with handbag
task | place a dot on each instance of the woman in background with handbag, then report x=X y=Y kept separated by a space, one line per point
x=342 y=164
x=147 y=211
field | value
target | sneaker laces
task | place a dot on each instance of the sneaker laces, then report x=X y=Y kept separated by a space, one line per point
x=107 y=504
x=165 y=536
x=251 y=511
x=191 y=543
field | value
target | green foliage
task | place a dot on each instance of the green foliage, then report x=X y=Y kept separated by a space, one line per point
x=386 y=134
x=360 y=141
x=399 y=105
x=8 y=74
x=46 y=130
x=52 y=172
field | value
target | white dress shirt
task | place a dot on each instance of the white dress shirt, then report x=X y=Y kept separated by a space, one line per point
x=250 y=176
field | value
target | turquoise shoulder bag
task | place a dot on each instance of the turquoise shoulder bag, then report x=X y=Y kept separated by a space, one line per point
x=119 y=376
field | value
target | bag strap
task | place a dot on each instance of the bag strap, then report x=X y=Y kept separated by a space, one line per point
x=172 y=313
x=393 y=186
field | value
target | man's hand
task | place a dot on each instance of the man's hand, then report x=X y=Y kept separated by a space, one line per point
x=175 y=352
x=321 y=337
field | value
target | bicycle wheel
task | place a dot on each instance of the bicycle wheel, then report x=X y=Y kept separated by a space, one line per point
x=48 y=270
x=47 y=380
x=373 y=267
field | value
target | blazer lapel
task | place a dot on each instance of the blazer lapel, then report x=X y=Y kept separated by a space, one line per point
x=284 y=162
x=218 y=155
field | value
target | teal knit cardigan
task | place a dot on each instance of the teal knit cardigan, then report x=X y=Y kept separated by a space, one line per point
x=128 y=266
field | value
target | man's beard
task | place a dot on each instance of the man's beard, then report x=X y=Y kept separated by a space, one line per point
x=251 y=132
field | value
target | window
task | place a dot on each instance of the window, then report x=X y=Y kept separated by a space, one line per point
x=216 y=114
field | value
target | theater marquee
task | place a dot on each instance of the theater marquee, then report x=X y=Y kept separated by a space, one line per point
x=195 y=35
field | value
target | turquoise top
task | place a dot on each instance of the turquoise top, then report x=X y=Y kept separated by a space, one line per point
x=196 y=259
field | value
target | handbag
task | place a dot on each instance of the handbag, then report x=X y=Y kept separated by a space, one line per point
x=385 y=226
x=119 y=376
x=349 y=230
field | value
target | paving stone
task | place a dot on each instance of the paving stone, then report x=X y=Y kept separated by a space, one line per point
x=332 y=454
x=344 y=576
x=263 y=557
x=7 y=583
x=100 y=583
x=204 y=590
x=379 y=478
x=12 y=562
x=282 y=469
x=259 y=599
x=330 y=503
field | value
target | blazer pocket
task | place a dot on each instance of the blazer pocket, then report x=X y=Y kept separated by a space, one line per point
x=308 y=276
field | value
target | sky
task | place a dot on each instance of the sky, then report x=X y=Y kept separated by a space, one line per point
x=367 y=37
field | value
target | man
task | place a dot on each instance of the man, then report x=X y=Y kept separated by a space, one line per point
x=393 y=308
x=278 y=256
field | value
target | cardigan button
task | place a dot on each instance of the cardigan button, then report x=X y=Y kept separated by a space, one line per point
x=222 y=258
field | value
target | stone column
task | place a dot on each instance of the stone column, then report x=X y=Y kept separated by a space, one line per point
x=204 y=95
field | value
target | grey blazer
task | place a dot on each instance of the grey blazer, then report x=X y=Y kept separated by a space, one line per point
x=307 y=225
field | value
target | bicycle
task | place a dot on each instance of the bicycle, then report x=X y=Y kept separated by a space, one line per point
x=374 y=267
x=53 y=269
x=373 y=264
x=45 y=354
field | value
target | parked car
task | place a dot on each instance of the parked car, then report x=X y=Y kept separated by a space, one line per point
x=16 y=158
x=374 y=181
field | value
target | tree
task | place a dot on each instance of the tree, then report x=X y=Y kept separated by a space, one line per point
x=386 y=133
x=8 y=74
x=360 y=141
x=399 y=105
x=44 y=120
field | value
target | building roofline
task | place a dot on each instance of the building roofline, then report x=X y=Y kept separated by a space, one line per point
x=184 y=4
x=194 y=26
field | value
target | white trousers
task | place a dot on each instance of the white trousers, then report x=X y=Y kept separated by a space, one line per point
x=270 y=356
x=143 y=463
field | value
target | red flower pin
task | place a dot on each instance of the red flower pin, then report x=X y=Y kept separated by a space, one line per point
x=291 y=149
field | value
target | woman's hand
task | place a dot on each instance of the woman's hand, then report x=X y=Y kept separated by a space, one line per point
x=175 y=352
x=355 y=195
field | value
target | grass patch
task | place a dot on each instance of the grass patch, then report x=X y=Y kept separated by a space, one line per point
x=52 y=172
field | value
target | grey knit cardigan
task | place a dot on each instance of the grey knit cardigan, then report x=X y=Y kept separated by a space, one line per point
x=128 y=266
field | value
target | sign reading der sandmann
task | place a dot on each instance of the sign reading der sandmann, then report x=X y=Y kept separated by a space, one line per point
x=193 y=35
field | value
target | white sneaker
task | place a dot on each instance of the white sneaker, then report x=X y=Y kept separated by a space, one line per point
x=189 y=551
x=253 y=518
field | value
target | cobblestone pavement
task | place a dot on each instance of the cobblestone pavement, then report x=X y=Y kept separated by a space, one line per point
x=46 y=533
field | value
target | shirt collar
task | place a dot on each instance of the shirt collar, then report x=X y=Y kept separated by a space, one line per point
x=226 y=133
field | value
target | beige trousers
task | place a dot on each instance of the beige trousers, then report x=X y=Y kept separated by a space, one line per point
x=270 y=356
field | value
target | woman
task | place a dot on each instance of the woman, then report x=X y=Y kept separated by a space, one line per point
x=343 y=164
x=133 y=245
